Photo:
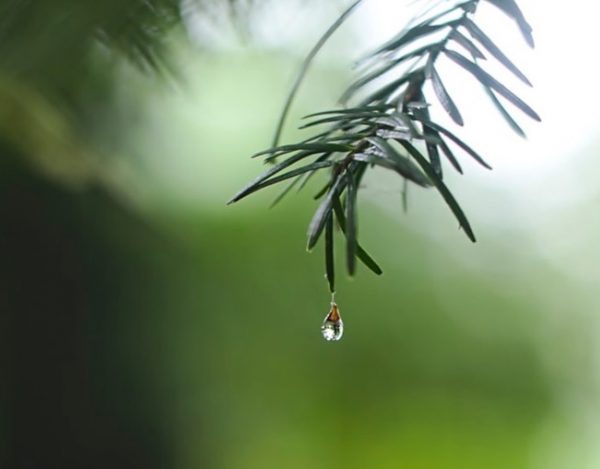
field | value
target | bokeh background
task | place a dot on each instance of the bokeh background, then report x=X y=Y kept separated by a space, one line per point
x=145 y=324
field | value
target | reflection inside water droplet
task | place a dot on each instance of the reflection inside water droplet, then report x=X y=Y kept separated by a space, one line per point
x=332 y=328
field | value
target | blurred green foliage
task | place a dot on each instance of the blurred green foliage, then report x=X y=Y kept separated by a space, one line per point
x=143 y=324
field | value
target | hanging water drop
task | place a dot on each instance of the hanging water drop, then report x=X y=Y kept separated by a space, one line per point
x=333 y=326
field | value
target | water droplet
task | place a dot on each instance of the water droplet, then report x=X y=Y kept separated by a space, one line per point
x=333 y=326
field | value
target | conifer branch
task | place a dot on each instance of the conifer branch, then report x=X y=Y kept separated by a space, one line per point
x=391 y=126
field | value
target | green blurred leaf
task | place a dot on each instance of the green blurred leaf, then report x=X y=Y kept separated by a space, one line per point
x=31 y=124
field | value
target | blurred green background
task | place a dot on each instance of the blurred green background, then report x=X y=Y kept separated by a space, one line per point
x=145 y=324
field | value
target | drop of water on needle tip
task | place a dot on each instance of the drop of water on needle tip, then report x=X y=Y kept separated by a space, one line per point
x=332 y=328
